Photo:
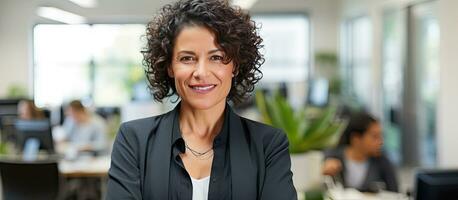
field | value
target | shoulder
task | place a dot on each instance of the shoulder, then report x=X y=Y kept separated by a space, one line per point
x=337 y=152
x=264 y=134
x=141 y=129
x=260 y=130
x=382 y=161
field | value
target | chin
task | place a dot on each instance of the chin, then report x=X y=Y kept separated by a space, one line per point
x=202 y=104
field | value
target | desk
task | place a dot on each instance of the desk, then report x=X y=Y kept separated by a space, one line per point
x=85 y=167
x=352 y=194
x=349 y=194
x=81 y=165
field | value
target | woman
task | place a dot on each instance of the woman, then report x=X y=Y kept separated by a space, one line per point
x=28 y=111
x=358 y=162
x=207 y=53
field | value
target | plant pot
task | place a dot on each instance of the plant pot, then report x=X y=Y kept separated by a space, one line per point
x=306 y=168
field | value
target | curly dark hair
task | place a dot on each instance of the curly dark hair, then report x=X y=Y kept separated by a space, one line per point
x=235 y=33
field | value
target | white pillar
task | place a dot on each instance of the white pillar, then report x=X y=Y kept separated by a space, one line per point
x=447 y=116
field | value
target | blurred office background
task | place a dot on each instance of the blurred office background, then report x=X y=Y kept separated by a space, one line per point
x=393 y=58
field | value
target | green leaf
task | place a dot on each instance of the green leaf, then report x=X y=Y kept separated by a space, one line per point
x=305 y=131
x=262 y=107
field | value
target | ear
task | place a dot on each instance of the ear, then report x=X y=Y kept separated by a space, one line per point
x=355 y=137
x=235 y=72
x=170 y=72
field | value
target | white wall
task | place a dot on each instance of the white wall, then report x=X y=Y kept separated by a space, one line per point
x=447 y=138
x=15 y=39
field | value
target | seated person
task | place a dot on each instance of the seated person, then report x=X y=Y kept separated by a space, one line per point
x=358 y=161
x=28 y=111
x=32 y=127
x=86 y=131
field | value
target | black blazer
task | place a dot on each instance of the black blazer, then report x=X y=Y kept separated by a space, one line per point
x=259 y=160
x=380 y=170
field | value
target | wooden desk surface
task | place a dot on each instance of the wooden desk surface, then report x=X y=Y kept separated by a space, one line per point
x=85 y=167
x=352 y=194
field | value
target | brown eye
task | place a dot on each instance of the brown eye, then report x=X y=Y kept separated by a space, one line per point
x=216 y=58
x=187 y=59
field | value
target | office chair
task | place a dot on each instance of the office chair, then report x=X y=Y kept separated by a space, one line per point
x=29 y=180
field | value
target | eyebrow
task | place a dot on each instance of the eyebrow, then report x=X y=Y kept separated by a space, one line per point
x=191 y=52
x=214 y=50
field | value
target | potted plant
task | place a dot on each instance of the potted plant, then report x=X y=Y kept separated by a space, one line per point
x=308 y=130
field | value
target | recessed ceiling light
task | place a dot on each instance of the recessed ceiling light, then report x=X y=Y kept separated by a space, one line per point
x=59 y=15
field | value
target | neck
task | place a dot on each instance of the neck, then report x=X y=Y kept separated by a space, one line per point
x=201 y=125
x=355 y=154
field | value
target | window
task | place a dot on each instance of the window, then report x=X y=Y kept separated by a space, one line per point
x=357 y=45
x=286 y=47
x=410 y=77
x=393 y=60
x=286 y=40
x=101 y=63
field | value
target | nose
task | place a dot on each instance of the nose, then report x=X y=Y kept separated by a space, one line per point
x=202 y=69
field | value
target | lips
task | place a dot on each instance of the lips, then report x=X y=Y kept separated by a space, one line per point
x=202 y=88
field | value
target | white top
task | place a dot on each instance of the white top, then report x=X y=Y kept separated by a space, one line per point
x=200 y=188
x=355 y=172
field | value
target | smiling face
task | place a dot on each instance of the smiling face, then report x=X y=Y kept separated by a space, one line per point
x=202 y=78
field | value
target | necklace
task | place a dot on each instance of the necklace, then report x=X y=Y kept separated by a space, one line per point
x=197 y=153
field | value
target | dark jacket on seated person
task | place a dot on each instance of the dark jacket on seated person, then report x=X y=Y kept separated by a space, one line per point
x=379 y=170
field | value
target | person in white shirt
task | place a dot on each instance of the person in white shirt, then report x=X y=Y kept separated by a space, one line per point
x=85 y=131
x=358 y=161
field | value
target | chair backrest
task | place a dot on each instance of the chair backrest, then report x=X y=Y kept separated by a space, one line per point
x=29 y=180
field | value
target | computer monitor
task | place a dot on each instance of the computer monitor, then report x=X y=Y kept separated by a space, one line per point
x=8 y=114
x=436 y=184
x=39 y=129
x=8 y=106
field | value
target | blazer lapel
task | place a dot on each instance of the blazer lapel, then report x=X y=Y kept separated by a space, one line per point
x=243 y=170
x=370 y=176
x=158 y=160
